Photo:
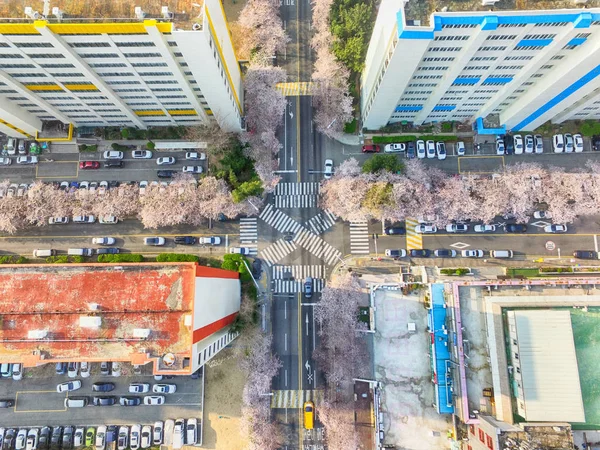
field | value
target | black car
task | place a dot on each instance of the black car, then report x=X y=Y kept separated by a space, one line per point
x=104 y=401
x=444 y=253
x=114 y=184
x=67 y=439
x=44 y=439
x=509 y=144
x=395 y=230
x=420 y=253
x=165 y=173
x=185 y=240
x=130 y=401
x=56 y=437
x=107 y=251
x=585 y=254
x=113 y=163
x=7 y=403
x=596 y=143
x=103 y=387
x=9 y=439
x=410 y=150
x=515 y=228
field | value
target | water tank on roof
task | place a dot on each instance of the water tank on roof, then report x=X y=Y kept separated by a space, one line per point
x=90 y=321
x=142 y=333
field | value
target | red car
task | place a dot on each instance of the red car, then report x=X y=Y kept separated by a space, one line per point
x=371 y=148
x=88 y=165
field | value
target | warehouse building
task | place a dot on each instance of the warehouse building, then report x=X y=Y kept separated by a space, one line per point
x=118 y=73
x=521 y=68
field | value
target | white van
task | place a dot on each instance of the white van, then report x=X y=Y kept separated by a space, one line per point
x=11 y=146
x=42 y=253
x=501 y=254
x=76 y=402
x=80 y=252
x=191 y=432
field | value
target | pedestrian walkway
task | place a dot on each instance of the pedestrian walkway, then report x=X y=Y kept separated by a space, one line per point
x=295 y=398
x=279 y=220
x=359 y=238
x=414 y=240
x=317 y=246
x=296 y=88
x=297 y=195
x=298 y=272
x=293 y=286
x=277 y=251
x=322 y=222
x=249 y=234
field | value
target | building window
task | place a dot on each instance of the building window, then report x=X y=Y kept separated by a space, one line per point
x=498 y=48
x=98 y=55
x=89 y=44
x=107 y=65
x=481 y=435
x=445 y=49
x=141 y=55
x=502 y=37
x=144 y=64
x=10 y=56
x=58 y=66
x=33 y=44
x=135 y=44
x=490 y=443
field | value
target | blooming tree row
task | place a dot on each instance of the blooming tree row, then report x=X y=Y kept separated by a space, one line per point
x=429 y=193
x=180 y=202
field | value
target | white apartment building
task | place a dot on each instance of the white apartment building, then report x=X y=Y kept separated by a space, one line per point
x=526 y=66
x=118 y=73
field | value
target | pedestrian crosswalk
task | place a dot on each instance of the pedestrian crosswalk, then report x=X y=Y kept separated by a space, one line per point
x=277 y=251
x=299 y=272
x=317 y=246
x=297 y=195
x=414 y=240
x=359 y=238
x=249 y=233
x=295 y=398
x=279 y=220
x=295 y=88
x=322 y=221
x=293 y=286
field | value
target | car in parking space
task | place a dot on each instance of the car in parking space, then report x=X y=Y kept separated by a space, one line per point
x=146 y=436
x=420 y=253
x=569 y=144
x=394 y=148
x=191 y=431
x=8 y=442
x=68 y=386
x=541 y=215
x=89 y=165
x=483 y=228
x=72 y=369
x=518 y=143
x=103 y=401
x=134 y=437
x=115 y=369
x=373 y=148
x=139 y=388
x=421 y=149
x=185 y=240
x=395 y=231
x=457 y=228
x=430 y=147
x=123 y=439
x=104 y=368
x=425 y=228
x=539 y=143
x=515 y=228
x=410 y=150
x=107 y=251
x=578 y=143
x=154 y=240
x=585 y=254
x=84 y=219
x=192 y=169
x=67 y=438
x=444 y=253
x=165 y=173
x=32 y=439
x=5 y=161
x=84 y=368
x=44 y=439
x=164 y=388
x=500 y=150
x=195 y=156
x=529 y=143
x=558 y=143
x=440 y=148
x=108 y=220
x=58 y=220
x=157 y=434
x=166 y=160
x=460 y=148
x=112 y=154
x=399 y=253
x=555 y=228
x=178 y=433
x=328 y=172
x=27 y=160
x=472 y=253
x=103 y=386
x=103 y=240
x=240 y=250
x=21 y=439
x=154 y=400
x=78 y=437
x=100 y=441
x=56 y=438
x=141 y=154
x=60 y=368
x=509 y=144
x=129 y=400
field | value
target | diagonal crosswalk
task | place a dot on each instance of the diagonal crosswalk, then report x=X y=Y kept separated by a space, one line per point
x=322 y=222
x=414 y=240
x=249 y=233
x=297 y=195
x=279 y=220
x=359 y=238
x=295 y=398
x=277 y=251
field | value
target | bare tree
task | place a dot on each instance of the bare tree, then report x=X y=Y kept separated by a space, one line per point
x=216 y=139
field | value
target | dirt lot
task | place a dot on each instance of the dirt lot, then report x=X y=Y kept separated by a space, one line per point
x=223 y=403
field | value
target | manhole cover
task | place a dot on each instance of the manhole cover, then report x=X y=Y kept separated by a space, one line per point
x=550 y=245
x=460 y=245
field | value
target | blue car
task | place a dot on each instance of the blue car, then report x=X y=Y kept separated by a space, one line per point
x=107 y=251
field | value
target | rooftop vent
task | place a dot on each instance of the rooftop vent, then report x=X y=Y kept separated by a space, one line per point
x=139 y=13
x=90 y=321
x=142 y=333
x=37 y=334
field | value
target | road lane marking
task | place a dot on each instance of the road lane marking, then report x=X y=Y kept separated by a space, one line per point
x=285 y=342
x=414 y=240
x=596 y=242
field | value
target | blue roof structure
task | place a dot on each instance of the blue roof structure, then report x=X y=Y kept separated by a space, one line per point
x=436 y=318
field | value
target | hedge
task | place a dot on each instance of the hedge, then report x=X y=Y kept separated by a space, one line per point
x=556 y=269
x=119 y=147
x=150 y=145
x=460 y=271
x=127 y=257
x=408 y=138
x=439 y=138
x=10 y=259
x=64 y=259
x=88 y=148
x=176 y=257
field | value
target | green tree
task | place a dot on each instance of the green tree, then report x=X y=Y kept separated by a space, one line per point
x=377 y=163
x=234 y=261
x=351 y=25
x=247 y=189
x=377 y=197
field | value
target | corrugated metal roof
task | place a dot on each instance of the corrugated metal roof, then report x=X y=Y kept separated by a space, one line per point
x=549 y=369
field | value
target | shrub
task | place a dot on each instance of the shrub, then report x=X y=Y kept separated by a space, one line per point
x=119 y=147
x=234 y=261
x=392 y=139
x=176 y=257
x=125 y=133
x=377 y=163
x=458 y=272
x=60 y=259
x=590 y=128
x=150 y=145
x=350 y=127
x=247 y=189
x=88 y=148
x=127 y=257
x=436 y=137
x=446 y=127
x=13 y=259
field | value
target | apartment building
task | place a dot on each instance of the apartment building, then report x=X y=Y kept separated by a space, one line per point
x=118 y=73
x=524 y=67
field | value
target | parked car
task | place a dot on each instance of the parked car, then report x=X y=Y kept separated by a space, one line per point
x=84 y=219
x=424 y=228
x=440 y=148
x=400 y=253
x=328 y=172
x=578 y=140
x=472 y=253
x=394 y=148
x=103 y=240
x=104 y=401
x=7 y=403
x=518 y=141
x=191 y=431
x=373 y=148
x=541 y=215
x=192 y=169
x=141 y=154
x=89 y=165
x=78 y=437
x=216 y=240
x=529 y=144
x=515 y=228
x=104 y=368
x=410 y=150
x=556 y=228
x=69 y=386
x=420 y=253
x=32 y=439
x=107 y=251
x=103 y=386
x=421 y=149
x=27 y=160
x=21 y=440
x=61 y=368
x=134 y=437
x=156 y=241
x=569 y=143
x=185 y=240
x=240 y=250
x=123 y=439
x=139 y=388
x=539 y=143
x=484 y=228
x=165 y=173
x=129 y=401
x=460 y=148
x=179 y=433
x=157 y=435
x=108 y=220
x=166 y=160
x=84 y=369
x=500 y=150
x=395 y=231
x=558 y=143
x=115 y=369
x=444 y=253
x=44 y=440
x=457 y=228
x=100 y=442
x=430 y=146
x=112 y=154
x=193 y=156
x=509 y=144
x=73 y=369
x=5 y=161
x=67 y=438
x=164 y=388
x=154 y=400
x=56 y=438
x=585 y=254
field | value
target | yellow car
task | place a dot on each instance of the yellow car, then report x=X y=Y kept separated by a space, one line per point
x=309 y=415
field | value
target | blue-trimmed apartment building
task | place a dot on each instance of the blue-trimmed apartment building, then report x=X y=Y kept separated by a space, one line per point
x=526 y=66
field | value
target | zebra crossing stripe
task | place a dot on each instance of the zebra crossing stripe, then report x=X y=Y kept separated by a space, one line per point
x=293 y=286
x=299 y=272
x=279 y=220
x=295 y=88
x=322 y=222
x=277 y=250
x=295 y=398
x=414 y=240
x=359 y=238
x=297 y=195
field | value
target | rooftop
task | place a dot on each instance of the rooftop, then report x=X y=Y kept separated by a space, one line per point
x=95 y=312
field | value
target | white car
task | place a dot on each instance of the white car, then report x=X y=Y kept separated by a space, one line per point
x=569 y=144
x=78 y=439
x=154 y=240
x=484 y=228
x=460 y=148
x=139 y=388
x=558 y=142
x=420 y=149
x=457 y=228
x=430 y=149
x=111 y=220
x=328 y=169
x=210 y=240
x=58 y=220
x=518 y=144
x=166 y=160
x=541 y=215
x=499 y=145
x=85 y=185
x=115 y=369
x=578 y=143
x=112 y=154
x=103 y=240
x=192 y=169
x=17 y=371
x=157 y=435
x=32 y=439
x=529 y=144
x=141 y=154
x=100 y=437
x=103 y=187
x=178 y=433
x=5 y=161
x=472 y=253
x=240 y=250
x=123 y=438
x=21 y=440
x=85 y=369
x=84 y=219
x=69 y=386
x=134 y=437
x=556 y=228
x=394 y=148
x=441 y=150
x=191 y=431
x=146 y=439
x=195 y=156
x=164 y=388
x=27 y=160
x=400 y=253
x=72 y=369
x=154 y=400
x=539 y=143
x=425 y=228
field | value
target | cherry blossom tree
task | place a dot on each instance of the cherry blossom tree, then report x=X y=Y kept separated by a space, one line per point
x=338 y=419
x=44 y=201
x=265 y=104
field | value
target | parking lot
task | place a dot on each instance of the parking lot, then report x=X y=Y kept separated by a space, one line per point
x=37 y=403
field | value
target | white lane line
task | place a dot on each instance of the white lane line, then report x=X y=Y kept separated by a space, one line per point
x=285 y=342
x=596 y=242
